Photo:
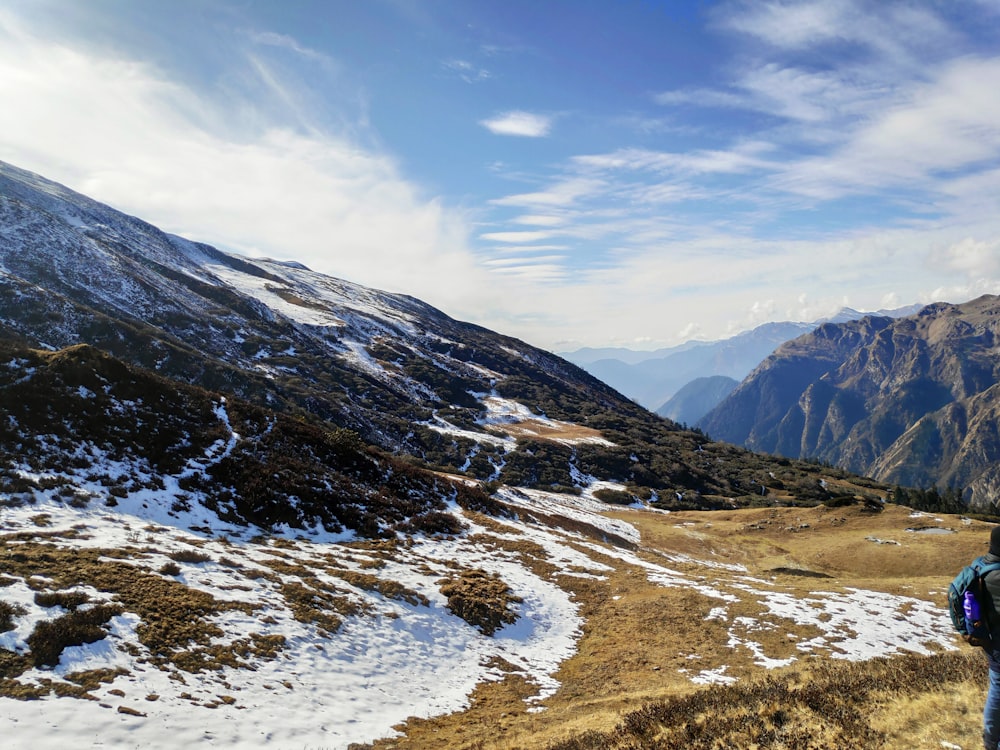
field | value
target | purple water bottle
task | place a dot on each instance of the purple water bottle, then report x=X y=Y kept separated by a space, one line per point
x=971 y=607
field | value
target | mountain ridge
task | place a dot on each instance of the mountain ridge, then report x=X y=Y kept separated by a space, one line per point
x=653 y=378
x=906 y=400
x=400 y=373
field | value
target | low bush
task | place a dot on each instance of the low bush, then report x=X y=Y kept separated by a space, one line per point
x=614 y=497
x=8 y=612
x=68 y=599
x=81 y=626
x=189 y=556
x=481 y=599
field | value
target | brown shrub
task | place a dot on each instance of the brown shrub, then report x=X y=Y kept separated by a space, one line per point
x=170 y=569
x=189 y=556
x=481 y=599
x=67 y=599
x=50 y=637
x=8 y=612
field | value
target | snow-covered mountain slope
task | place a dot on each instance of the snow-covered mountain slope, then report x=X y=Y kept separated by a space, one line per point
x=72 y=270
x=402 y=374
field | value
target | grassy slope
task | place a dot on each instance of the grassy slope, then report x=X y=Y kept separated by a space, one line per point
x=638 y=635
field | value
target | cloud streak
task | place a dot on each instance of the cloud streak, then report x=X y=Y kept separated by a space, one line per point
x=519 y=123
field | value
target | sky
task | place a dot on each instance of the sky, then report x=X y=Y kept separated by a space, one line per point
x=574 y=173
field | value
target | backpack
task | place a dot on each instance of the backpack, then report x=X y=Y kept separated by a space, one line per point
x=967 y=593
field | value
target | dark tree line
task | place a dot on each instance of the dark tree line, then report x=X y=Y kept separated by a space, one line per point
x=931 y=500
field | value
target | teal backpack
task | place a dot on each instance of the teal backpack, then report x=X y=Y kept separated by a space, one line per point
x=967 y=598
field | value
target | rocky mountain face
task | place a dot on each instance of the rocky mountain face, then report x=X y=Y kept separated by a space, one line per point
x=653 y=378
x=910 y=401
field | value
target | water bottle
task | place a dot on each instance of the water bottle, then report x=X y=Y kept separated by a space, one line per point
x=971 y=607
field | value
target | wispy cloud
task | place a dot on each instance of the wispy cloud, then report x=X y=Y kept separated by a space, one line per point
x=562 y=193
x=789 y=24
x=876 y=117
x=467 y=71
x=515 y=236
x=531 y=273
x=743 y=157
x=941 y=127
x=888 y=32
x=519 y=123
x=539 y=220
x=283 y=41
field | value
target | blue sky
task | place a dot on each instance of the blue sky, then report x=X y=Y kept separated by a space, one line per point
x=571 y=172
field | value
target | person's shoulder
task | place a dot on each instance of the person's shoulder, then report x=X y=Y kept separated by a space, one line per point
x=992 y=576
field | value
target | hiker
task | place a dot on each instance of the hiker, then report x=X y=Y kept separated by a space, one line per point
x=991 y=615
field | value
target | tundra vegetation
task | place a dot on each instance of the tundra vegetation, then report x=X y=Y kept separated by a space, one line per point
x=629 y=685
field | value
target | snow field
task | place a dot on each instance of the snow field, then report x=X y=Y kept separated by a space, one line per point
x=396 y=657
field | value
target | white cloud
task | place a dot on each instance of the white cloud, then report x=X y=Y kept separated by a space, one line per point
x=890 y=32
x=810 y=96
x=525 y=124
x=948 y=124
x=533 y=273
x=124 y=133
x=788 y=24
x=515 y=249
x=743 y=157
x=540 y=220
x=536 y=260
x=974 y=258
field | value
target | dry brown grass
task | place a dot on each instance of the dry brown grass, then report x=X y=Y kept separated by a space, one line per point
x=556 y=431
x=629 y=684
x=176 y=625
x=833 y=708
x=638 y=636
x=951 y=713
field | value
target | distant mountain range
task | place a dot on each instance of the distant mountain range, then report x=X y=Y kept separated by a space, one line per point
x=913 y=400
x=653 y=378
